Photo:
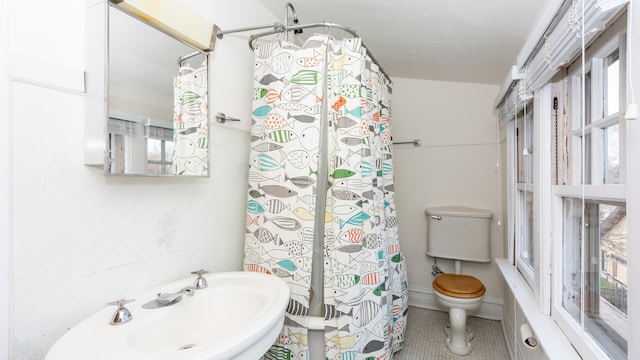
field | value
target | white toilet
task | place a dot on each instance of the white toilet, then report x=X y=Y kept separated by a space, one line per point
x=460 y=234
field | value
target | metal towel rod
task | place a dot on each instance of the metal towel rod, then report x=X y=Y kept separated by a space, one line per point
x=416 y=142
x=221 y=118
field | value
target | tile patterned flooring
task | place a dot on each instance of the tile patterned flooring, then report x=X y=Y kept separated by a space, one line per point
x=425 y=338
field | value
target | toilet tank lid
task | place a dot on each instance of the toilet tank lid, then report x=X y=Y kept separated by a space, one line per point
x=459 y=211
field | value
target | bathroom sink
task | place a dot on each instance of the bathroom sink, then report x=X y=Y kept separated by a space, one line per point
x=238 y=316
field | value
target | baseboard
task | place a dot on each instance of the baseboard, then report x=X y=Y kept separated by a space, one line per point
x=490 y=309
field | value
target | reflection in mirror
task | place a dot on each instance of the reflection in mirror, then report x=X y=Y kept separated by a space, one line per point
x=157 y=102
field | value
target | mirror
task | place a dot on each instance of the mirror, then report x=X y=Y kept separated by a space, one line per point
x=157 y=105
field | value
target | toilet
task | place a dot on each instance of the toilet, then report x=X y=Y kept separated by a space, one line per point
x=459 y=234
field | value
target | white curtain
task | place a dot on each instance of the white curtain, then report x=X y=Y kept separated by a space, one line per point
x=190 y=122
x=322 y=121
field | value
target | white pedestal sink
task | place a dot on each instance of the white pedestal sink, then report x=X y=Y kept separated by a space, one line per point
x=238 y=316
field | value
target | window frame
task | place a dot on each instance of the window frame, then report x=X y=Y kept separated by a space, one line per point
x=595 y=189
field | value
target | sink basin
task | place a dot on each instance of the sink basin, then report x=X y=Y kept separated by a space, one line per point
x=238 y=316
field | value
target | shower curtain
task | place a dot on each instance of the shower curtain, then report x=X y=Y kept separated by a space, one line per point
x=321 y=120
x=190 y=122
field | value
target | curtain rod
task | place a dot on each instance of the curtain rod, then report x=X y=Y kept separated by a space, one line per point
x=277 y=28
x=184 y=58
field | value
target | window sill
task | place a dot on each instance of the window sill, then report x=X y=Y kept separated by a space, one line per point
x=552 y=340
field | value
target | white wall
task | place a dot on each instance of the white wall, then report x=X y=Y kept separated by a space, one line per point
x=456 y=165
x=76 y=239
x=5 y=193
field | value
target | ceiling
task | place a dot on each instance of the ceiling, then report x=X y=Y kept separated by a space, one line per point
x=450 y=40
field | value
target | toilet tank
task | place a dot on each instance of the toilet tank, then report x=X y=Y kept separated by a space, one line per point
x=459 y=233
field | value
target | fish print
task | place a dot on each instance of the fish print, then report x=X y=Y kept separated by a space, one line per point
x=253 y=220
x=284 y=340
x=272 y=96
x=310 y=138
x=287 y=265
x=371 y=278
x=300 y=337
x=300 y=181
x=270 y=78
x=343 y=122
x=342 y=173
x=339 y=104
x=304 y=263
x=331 y=312
x=267 y=147
x=306 y=234
x=346 y=342
x=350 y=249
x=339 y=77
x=264 y=162
x=297 y=93
x=262 y=111
x=265 y=236
x=350 y=91
x=255 y=194
x=281 y=273
x=367 y=311
x=275 y=121
x=259 y=93
x=354 y=132
x=305 y=77
x=344 y=209
x=257 y=268
x=353 y=236
x=296 y=248
x=284 y=223
x=373 y=345
x=298 y=158
x=351 y=141
x=282 y=136
x=277 y=352
x=280 y=64
x=307 y=119
x=296 y=308
x=308 y=62
x=254 y=256
x=345 y=281
x=372 y=241
x=254 y=207
x=345 y=195
x=349 y=184
x=275 y=206
x=290 y=106
x=357 y=219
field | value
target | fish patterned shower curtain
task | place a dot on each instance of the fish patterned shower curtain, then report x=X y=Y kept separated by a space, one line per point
x=190 y=122
x=296 y=90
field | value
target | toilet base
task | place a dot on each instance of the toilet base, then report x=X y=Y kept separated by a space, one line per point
x=459 y=349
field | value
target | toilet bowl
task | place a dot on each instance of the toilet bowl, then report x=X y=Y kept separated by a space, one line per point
x=461 y=295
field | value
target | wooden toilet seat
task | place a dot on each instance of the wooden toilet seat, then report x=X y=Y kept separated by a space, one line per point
x=459 y=286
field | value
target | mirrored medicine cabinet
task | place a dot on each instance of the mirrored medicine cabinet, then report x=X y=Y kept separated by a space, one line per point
x=155 y=114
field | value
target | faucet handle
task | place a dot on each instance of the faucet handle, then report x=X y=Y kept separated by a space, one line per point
x=201 y=282
x=122 y=314
x=200 y=272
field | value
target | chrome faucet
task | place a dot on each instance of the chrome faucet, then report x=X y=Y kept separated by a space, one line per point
x=122 y=314
x=201 y=282
x=172 y=298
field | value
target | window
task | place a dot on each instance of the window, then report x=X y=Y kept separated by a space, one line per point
x=590 y=235
x=159 y=157
x=159 y=150
x=524 y=193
